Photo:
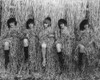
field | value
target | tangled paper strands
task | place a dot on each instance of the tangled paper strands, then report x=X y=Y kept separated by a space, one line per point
x=70 y=63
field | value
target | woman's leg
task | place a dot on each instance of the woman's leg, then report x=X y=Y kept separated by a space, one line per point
x=26 y=44
x=80 y=60
x=6 y=51
x=44 y=46
x=58 y=46
x=60 y=55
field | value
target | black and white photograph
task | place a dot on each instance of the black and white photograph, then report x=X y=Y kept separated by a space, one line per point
x=49 y=39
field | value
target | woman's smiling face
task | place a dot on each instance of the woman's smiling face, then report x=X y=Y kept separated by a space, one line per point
x=31 y=25
x=86 y=26
x=62 y=26
x=46 y=25
x=12 y=25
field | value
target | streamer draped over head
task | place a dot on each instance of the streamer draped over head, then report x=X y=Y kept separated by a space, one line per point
x=29 y=21
x=47 y=20
x=82 y=24
x=11 y=20
x=62 y=21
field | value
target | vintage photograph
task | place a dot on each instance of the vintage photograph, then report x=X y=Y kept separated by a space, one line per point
x=49 y=39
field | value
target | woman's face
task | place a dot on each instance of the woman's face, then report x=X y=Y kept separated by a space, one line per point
x=12 y=25
x=62 y=26
x=86 y=26
x=46 y=25
x=31 y=25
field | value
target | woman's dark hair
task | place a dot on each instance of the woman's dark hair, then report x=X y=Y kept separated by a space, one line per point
x=28 y=22
x=82 y=24
x=11 y=20
x=62 y=21
x=47 y=19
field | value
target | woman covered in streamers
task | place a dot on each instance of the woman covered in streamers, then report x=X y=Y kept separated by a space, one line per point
x=47 y=39
x=84 y=43
x=63 y=44
x=30 y=45
x=11 y=41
